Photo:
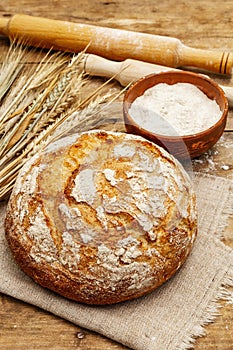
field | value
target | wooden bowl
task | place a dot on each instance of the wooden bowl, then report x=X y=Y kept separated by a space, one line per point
x=188 y=146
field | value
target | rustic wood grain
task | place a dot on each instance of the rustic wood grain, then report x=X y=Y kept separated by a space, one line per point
x=203 y=24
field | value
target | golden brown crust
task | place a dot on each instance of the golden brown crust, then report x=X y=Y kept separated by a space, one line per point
x=101 y=217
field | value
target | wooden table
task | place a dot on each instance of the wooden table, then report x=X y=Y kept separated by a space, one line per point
x=203 y=24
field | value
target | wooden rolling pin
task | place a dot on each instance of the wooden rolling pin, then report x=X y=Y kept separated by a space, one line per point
x=115 y=44
x=130 y=70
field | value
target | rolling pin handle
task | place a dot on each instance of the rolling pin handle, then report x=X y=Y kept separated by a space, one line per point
x=216 y=61
x=4 y=23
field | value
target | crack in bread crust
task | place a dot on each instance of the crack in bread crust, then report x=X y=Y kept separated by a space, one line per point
x=101 y=217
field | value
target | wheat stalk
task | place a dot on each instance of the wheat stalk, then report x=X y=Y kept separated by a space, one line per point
x=31 y=82
x=10 y=69
x=27 y=118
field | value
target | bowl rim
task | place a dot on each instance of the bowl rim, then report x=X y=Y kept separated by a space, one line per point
x=171 y=72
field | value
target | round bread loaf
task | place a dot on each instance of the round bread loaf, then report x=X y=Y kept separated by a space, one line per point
x=101 y=217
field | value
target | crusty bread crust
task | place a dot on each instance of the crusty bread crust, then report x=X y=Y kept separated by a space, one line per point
x=101 y=217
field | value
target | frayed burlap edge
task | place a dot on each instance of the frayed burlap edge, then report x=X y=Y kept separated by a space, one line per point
x=224 y=293
x=211 y=313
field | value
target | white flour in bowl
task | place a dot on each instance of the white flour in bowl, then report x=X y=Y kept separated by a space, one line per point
x=178 y=109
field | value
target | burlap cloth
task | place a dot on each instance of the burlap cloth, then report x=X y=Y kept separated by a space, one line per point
x=169 y=318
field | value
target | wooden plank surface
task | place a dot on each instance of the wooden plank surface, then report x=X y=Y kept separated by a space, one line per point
x=203 y=24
